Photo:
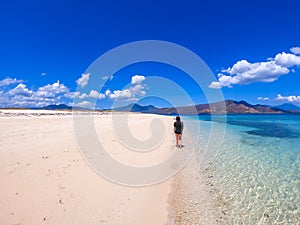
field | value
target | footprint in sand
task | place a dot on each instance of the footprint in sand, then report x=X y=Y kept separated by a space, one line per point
x=60 y=201
x=61 y=187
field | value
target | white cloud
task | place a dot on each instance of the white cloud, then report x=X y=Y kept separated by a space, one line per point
x=96 y=94
x=131 y=92
x=43 y=74
x=8 y=81
x=107 y=92
x=92 y=94
x=137 y=79
x=21 y=89
x=215 y=85
x=101 y=96
x=72 y=94
x=56 y=93
x=82 y=96
x=83 y=80
x=238 y=68
x=138 y=90
x=33 y=100
x=263 y=98
x=244 y=72
x=120 y=94
x=295 y=50
x=287 y=59
x=22 y=96
x=291 y=98
x=86 y=105
x=51 y=90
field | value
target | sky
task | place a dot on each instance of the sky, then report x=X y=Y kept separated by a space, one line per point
x=46 y=47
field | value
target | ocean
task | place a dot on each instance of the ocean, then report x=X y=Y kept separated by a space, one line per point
x=252 y=165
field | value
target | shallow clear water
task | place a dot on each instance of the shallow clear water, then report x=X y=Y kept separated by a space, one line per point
x=253 y=168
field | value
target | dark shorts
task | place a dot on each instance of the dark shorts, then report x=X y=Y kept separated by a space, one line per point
x=176 y=132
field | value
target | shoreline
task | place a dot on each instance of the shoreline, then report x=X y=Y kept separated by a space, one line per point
x=190 y=200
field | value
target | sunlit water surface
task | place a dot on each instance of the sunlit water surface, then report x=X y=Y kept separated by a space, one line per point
x=252 y=164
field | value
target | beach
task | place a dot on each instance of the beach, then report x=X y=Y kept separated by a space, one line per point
x=45 y=180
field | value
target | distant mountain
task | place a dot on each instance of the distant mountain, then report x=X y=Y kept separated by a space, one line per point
x=289 y=106
x=138 y=108
x=57 y=107
x=231 y=107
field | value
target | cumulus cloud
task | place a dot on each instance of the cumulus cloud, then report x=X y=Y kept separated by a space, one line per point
x=92 y=94
x=131 y=92
x=137 y=79
x=287 y=59
x=120 y=94
x=57 y=93
x=22 y=96
x=21 y=89
x=138 y=90
x=244 y=72
x=8 y=81
x=51 y=90
x=82 y=96
x=83 y=80
x=101 y=96
x=295 y=50
x=96 y=94
x=32 y=100
x=85 y=104
x=263 y=98
x=43 y=74
x=291 y=98
x=215 y=85
x=72 y=94
x=107 y=92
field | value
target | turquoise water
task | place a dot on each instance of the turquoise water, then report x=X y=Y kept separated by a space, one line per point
x=252 y=165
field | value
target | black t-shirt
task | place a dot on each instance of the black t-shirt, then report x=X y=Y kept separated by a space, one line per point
x=178 y=127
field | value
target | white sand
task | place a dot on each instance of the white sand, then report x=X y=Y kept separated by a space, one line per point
x=44 y=179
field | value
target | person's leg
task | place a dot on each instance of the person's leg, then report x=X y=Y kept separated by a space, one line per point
x=180 y=140
x=177 y=137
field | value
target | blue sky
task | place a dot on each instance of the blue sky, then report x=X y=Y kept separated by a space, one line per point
x=250 y=46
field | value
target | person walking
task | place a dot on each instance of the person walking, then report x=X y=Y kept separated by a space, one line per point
x=178 y=128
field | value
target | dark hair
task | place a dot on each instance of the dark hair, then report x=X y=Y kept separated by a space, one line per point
x=177 y=118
